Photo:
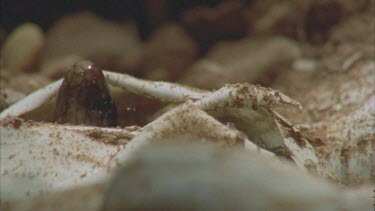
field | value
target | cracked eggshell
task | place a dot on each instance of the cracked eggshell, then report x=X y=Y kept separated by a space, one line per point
x=8 y=97
x=186 y=121
x=340 y=111
x=249 y=107
x=206 y=177
x=349 y=153
x=213 y=178
x=38 y=159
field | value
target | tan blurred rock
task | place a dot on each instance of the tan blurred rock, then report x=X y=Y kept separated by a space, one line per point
x=3 y=104
x=278 y=17
x=27 y=83
x=308 y=19
x=321 y=16
x=246 y=60
x=169 y=51
x=55 y=68
x=209 y=25
x=22 y=48
x=5 y=76
x=356 y=31
x=352 y=6
x=110 y=45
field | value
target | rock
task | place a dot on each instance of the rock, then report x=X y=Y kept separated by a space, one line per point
x=5 y=76
x=3 y=103
x=320 y=18
x=27 y=82
x=111 y=45
x=351 y=7
x=56 y=68
x=303 y=20
x=246 y=60
x=278 y=17
x=22 y=48
x=168 y=53
x=209 y=25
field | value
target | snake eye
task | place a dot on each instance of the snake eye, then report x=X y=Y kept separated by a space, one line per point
x=84 y=98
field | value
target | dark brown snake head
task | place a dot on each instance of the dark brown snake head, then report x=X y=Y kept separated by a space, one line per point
x=84 y=98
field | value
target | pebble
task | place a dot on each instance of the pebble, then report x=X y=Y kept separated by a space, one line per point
x=22 y=48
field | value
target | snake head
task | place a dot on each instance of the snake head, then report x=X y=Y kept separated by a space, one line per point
x=84 y=98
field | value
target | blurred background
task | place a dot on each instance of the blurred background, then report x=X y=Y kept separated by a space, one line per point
x=147 y=13
x=205 y=44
